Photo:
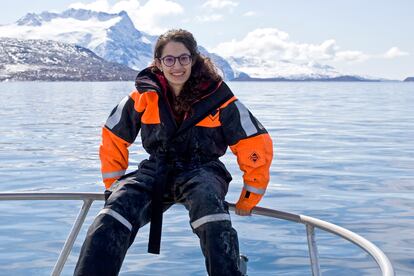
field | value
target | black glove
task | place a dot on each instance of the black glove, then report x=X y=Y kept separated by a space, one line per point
x=148 y=168
x=146 y=173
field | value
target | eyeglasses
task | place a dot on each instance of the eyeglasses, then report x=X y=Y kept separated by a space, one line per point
x=169 y=61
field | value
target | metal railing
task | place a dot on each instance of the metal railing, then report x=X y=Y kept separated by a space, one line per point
x=310 y=223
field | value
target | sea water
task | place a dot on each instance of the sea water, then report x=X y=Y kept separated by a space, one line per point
x=344 y=153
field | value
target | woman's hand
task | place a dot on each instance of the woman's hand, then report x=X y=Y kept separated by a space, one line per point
x=241 y=212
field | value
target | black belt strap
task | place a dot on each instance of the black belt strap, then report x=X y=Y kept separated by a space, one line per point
x=161 y=175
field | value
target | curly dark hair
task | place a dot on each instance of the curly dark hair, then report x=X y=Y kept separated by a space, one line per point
x=203 y=70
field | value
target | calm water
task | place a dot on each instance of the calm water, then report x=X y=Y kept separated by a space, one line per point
x=344 y=152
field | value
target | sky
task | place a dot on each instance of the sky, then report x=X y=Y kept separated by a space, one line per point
x=367 y=38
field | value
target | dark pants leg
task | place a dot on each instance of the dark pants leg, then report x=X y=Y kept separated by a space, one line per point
x=202 y=191
x=115 y=227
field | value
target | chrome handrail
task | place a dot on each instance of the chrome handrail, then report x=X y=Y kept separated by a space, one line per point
x=310 y=223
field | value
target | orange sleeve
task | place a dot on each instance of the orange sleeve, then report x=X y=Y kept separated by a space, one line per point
x=119 y=132
x=254 y=156
x=113 y=153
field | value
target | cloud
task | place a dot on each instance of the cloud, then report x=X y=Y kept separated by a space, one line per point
x=99 y=5
x=274 y=44
x=210 y=8
x=145 y=17
x=250 y=13
x=210 y=18
x=395 y=52
x=351 y=56
x=220 y=4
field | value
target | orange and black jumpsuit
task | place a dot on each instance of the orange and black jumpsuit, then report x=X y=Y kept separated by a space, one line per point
x=196 y=177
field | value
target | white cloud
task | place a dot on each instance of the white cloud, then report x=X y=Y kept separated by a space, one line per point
x=99 y=5
x=211 y=7
x=395 y=52
x=273 y=44
x=129 y=6
x=220 y=4
x=145 y=17
x=250 y=13
x=210 y=18
x=351 y=56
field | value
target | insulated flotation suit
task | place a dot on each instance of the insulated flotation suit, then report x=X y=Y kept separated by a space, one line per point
x=217 y=120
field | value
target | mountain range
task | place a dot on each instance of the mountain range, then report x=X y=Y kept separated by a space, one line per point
x=27 y=60
x=111 y=36
x=114 y=38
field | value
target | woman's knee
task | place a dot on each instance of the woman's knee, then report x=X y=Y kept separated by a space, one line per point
x=130 y=206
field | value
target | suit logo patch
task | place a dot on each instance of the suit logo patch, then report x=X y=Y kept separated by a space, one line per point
x=254 y=157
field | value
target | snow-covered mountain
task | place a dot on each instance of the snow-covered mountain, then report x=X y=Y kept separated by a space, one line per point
x=225 y=67
x=56 y=61
x=115 y=38
x=256 y=67
x=111 y=36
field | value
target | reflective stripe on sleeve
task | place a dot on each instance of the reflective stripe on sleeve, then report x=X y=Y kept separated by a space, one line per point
x=245 y=120
x=209 y=218
x=114 y=119
x=254 y=190
x=116 y=174
x=116 y=216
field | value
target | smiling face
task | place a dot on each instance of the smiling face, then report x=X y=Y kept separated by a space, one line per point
x=177 y=74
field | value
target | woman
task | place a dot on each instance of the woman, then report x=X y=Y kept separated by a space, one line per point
x=187 y=117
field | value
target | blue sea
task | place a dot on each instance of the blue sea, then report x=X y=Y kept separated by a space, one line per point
x=344 y=153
